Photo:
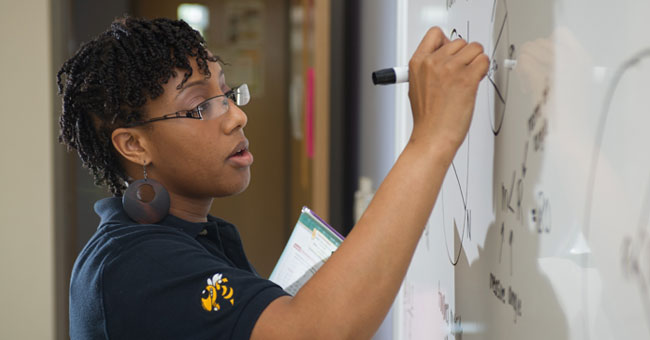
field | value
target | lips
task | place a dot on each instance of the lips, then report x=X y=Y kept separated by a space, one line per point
x=239 y=149
x=240 y=157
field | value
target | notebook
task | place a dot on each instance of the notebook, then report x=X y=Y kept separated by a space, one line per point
x=311 y=243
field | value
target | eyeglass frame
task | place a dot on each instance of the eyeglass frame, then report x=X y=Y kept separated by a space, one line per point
x=231 y=95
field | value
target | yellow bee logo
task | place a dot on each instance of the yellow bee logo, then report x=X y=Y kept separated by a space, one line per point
x=216 y=287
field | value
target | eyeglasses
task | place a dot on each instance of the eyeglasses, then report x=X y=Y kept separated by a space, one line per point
x=209 y=109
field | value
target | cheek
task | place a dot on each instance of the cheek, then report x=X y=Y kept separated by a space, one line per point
x=197 y=166
x=188 y=161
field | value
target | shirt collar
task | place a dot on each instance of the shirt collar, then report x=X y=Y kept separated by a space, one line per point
x=110 y=211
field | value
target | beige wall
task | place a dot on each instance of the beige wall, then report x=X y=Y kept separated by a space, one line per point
x=26 y=180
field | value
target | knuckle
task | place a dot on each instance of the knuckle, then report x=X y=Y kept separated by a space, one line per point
x=484 y=59
x=460 y=41
x=431 y=64
x=415 y=62
x=477 y=46
x=483 y=64
x=435 y=30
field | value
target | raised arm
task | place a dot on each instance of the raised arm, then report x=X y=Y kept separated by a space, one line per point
x=351 y=294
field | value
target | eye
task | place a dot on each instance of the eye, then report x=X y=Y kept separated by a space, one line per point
x=231 y=95
x=195 y=113
x=202 y=109
x=205 y=106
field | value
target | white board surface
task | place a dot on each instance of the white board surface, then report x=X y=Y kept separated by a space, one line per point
x=542 y=227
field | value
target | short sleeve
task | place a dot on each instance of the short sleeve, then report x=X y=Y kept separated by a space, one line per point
x=169 y=287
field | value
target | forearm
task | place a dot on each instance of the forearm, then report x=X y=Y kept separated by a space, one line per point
x=349 y=296
x=356 y=287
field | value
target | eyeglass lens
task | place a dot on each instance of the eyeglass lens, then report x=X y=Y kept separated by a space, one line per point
x=219 y=105
x=242 y=95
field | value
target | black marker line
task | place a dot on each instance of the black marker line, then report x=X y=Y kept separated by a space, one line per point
x=503 y=236
x=510 y=243
x=503 y=24
x=520 y=196
x=465 y=211
x=523 y=165
x=453 y=262
x=498 y=91
x=455 y=31
x=512 y=187
x=497 y=129
x=462 y=196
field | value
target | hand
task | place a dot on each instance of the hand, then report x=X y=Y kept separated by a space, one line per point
x=443 y=80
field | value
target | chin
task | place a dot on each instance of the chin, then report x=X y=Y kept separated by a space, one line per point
x=246 y=180
x=237 y=186
x=241 y=189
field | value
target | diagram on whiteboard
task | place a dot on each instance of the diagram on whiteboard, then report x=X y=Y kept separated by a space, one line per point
x=454 y=193
x=541 y=228
x=499 y=75
x=455 y=199
x=619 y=195
x=456 y=214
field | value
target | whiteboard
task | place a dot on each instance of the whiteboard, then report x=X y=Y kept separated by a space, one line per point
x=542 y=226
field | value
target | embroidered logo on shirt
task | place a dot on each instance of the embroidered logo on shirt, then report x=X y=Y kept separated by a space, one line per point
x=216 y=291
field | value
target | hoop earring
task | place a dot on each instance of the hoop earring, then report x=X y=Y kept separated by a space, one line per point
x=138 y=207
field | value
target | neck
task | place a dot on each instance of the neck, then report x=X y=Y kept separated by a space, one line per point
x=189 y=209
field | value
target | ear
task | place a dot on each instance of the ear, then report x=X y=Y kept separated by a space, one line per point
x=132 y=144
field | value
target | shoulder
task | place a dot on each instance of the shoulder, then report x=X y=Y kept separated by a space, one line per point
x=144 y=281
x=112 y=242
x=168 y=285
x=113 y=253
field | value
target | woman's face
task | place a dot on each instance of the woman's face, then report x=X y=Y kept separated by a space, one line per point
x=198 y=158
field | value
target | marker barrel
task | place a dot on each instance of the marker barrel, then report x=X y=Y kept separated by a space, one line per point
x=392 y=75
x=396 y=75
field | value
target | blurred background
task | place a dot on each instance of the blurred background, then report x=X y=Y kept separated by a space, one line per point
x=317 y=127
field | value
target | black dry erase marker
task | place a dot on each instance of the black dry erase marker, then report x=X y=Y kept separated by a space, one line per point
x=392 y=75
x=398 y=74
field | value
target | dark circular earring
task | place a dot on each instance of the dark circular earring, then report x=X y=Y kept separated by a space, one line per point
x=139 y=204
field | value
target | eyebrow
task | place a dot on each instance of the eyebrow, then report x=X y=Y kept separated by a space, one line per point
x=195 y=83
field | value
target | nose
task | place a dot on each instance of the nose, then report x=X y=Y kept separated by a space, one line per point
x=236 y=118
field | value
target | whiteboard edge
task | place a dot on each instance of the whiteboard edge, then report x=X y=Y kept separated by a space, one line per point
x=401 y=105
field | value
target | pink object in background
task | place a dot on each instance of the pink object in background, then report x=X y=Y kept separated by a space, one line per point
x=309 y=112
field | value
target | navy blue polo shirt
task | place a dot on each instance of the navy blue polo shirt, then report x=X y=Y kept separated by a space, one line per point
x=171 y=280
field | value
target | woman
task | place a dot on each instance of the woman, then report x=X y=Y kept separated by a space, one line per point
x=145 y=103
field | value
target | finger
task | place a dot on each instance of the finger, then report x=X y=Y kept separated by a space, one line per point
x=452 y=48
x=479 y=66
x=467 y=54
x=431 y=41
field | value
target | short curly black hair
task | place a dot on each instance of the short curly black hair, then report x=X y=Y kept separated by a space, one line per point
x=108 y=80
